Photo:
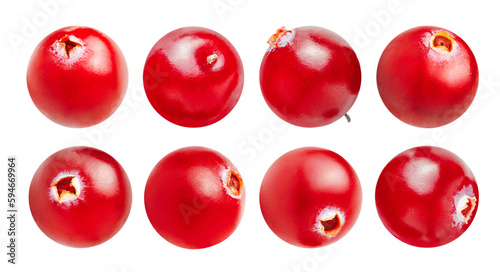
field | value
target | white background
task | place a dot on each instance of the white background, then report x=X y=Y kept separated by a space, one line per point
x=251 y=136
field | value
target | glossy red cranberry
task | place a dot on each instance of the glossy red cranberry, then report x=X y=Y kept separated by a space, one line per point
x=427 y=196
x=194 y=197
x=309 y=76
x=77 y=76
x=80 y=197
x=310 y=197
x=427 y=76
x=193 y=77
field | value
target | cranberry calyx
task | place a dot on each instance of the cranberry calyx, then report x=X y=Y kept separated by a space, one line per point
x=274 y=40
x=330 y=226
x=234 y=184
x=66 y=188
x=442 y=42
x=468 y=208
x=68 y=45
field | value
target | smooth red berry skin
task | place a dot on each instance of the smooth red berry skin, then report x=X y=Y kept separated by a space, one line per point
x=100 y=210
x=417 y=194
x=193 y=77
x=299 y=186
x=186 y=201
x=82 y=89
x=312 y=80
x=422 y=87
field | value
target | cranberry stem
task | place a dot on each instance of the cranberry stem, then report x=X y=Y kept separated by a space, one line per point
x=347 y=117
x=212 y=58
